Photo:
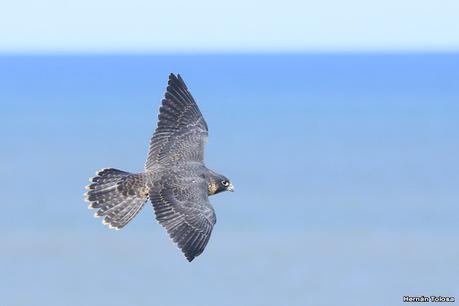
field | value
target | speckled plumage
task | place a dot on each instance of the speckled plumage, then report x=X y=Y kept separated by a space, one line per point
x=175 y=179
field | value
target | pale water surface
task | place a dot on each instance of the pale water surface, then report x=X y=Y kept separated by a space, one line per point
x=346 y=169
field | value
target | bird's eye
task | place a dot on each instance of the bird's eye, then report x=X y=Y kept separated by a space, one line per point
x=225 y=183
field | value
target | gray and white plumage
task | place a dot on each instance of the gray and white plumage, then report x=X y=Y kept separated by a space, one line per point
x=175 y=180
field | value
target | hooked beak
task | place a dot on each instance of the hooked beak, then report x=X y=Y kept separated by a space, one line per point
x=230 y=188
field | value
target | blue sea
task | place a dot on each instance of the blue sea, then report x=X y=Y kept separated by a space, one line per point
x=346 y=169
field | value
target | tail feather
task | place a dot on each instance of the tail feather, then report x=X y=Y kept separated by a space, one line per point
x=117 y=195
x=126 y=215
x=105 y=178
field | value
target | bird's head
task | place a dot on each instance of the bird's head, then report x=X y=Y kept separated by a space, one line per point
x=218 y=183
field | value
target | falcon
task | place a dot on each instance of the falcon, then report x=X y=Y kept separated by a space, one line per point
x=175 y=179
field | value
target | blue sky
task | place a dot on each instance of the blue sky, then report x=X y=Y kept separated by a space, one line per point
x=228 y=26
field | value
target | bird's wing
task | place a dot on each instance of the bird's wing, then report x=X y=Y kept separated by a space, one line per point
x=181 y=132
x=182 y=207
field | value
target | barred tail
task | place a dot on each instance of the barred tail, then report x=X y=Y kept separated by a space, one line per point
x=117 y=195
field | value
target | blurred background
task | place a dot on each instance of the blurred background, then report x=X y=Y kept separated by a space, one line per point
x=337 y=122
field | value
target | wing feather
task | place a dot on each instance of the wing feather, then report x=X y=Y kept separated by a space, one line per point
x=183 y=209
x=181 y=132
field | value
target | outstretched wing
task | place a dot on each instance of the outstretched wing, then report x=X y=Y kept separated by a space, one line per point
x=181 y=132
x=182 y=207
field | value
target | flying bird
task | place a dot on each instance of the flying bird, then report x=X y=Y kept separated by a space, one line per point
x=175 y=179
